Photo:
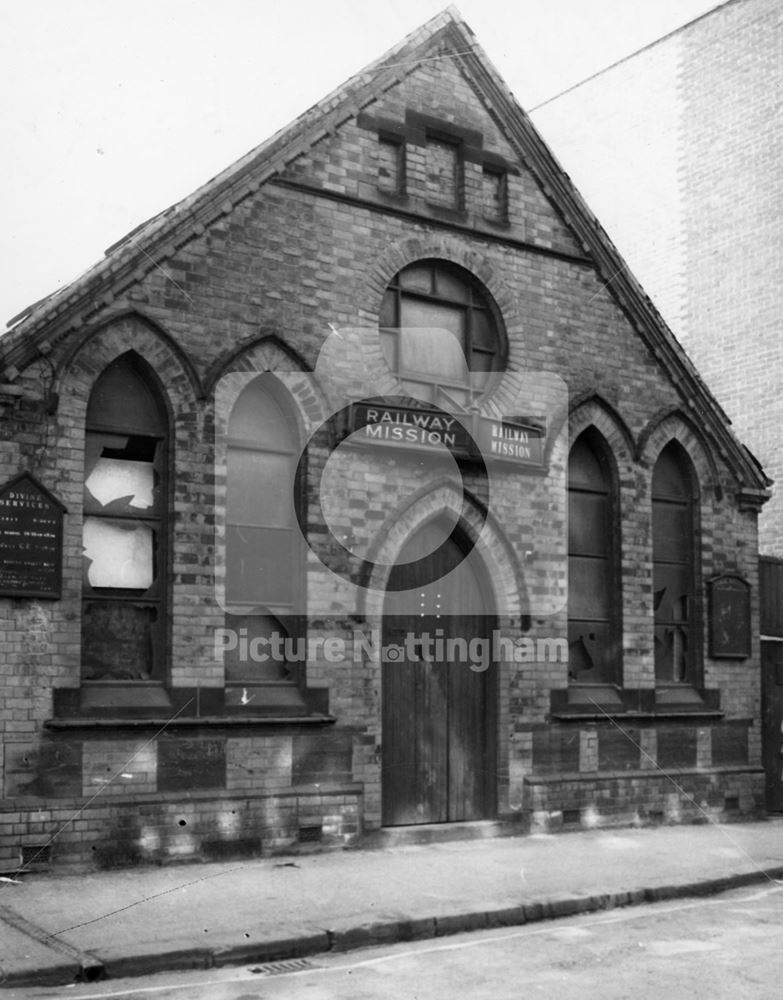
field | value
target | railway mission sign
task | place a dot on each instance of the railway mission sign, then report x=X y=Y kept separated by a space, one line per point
x=515 y=440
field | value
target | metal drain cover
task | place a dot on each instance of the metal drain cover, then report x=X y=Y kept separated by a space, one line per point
x=281 y=968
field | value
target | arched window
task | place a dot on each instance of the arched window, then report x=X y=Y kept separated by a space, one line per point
x=674 y=567
x=263 y=551
x=593 y=591
x=260 y=515
x=124 y=533
x=440 y=333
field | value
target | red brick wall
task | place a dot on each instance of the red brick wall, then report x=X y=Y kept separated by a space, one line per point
x=255 y=290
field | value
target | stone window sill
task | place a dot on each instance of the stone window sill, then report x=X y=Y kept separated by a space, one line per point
x=581 y=702
x=144 y=703
x=85 y=723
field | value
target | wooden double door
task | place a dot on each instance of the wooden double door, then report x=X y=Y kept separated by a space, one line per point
x=438 y=685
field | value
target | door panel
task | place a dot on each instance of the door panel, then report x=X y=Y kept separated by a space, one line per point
x=438 y=714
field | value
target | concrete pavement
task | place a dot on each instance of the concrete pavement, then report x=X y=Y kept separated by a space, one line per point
x=57 y=927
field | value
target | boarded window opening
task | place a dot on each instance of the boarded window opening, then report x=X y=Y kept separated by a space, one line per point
x=494 y=195
x=443 y=180
x=391 y=165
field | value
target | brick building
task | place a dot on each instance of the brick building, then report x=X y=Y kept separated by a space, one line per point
x=366 y=488
x=678 y=150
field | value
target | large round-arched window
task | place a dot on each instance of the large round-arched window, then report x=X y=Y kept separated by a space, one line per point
x=439 y=332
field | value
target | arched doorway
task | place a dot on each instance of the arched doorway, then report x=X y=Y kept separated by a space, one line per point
x=438 y=711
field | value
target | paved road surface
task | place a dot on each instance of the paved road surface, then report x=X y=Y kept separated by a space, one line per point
x=726 y=946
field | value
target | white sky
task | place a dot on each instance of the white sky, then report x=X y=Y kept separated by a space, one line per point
x=111 y=110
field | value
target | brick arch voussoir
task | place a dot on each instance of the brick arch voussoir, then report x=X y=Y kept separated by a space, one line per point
x=399 y=255
x=270 y=356
x=595 y=412
x=264 y=352
x=128 y=335
x=408 y=251
x=675 y=426
x=426 y=504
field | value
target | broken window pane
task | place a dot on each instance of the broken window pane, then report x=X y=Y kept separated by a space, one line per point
x=118 y=553
x=113 y=479
x=673 y=567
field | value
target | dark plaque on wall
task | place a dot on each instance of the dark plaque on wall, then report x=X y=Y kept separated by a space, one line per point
x=31 y=540
x=729 y=603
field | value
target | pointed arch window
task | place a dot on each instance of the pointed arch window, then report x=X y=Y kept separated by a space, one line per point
x=263 y=552
x=593 y=578
x=674 y=566
x=261 y=563
x=440 y=333
x=125 y=526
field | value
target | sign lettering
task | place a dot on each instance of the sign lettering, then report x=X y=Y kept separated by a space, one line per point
x=30 y=540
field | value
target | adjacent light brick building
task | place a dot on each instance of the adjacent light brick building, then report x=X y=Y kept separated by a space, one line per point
x=386 y=498
x=678 y=148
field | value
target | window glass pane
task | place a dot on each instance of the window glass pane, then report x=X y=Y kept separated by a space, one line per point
x=258 y=420
x=434 y=352
x=672 y=532
x=422 y=348
x=482 y=332
x=117 y=640
x=417 y=278
x=261 y=656
x=451 y=395
x=672 y=653
x=672 y=592
x=388 y=317
x=482 y=363
x=418 y=314
x=591 y=653
x=118 y=553
x=424 y=391
x=124 y=485
x=669 y=478
x=389 y=348
x=121 y=398
x=260 y=488
x=587 y=524
x=584 y=468
x=259 y=565
x=587 y=587
x=450 y=286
